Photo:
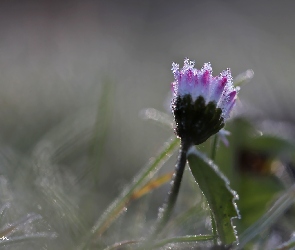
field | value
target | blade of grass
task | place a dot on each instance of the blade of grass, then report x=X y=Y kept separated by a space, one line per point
x=148 y=187
x=270 y=217
x=63 y=205
x=147 y=173
x=196 y=211
x=151 y=185
x=121 y=244
x=3 y=210
x=101 y=127
x=20 y=239
x=100 y=130
x=30 y=218
x=183 y=239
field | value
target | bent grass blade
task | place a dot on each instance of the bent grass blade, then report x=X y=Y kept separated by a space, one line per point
x=112 y=212
x=183 y=239
x=4 y=241
x=151 y=185
x=148 y=187
x=270 y=217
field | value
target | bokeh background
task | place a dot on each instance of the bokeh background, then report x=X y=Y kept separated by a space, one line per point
x=57 y=59
x=54 y=56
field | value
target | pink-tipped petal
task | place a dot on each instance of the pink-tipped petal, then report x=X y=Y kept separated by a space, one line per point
x=231 y=96
x=200 y=82
x=217 y=89
x=228 y=103
x=229 y=109
x=206 y=78
x=201 y=103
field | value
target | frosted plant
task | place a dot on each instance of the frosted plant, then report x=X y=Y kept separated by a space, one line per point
x=201 y=102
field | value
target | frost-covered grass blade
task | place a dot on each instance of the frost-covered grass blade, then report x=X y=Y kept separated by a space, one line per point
x=111 y=212
x=183 y=239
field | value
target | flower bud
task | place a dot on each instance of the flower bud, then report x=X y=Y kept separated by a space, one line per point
x=201 y=103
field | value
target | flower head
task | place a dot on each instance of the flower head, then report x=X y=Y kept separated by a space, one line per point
x=201 y=102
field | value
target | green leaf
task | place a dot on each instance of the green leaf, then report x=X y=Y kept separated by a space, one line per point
x=220 y=197
x=253 y=179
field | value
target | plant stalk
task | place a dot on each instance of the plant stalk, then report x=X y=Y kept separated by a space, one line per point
x=167 y=209
x=213 y=154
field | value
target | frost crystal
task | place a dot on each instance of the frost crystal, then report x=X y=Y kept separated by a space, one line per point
x=201 y=102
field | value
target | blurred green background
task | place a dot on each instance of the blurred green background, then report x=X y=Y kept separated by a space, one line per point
x=55 y=55
x=75 y=76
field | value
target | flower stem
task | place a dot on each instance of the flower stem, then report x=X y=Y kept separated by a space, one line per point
x=167 y=209
x=213 y=154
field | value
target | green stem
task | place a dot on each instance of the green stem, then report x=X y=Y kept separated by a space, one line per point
x=213 y=154
x=214 y=229
x=167 y=209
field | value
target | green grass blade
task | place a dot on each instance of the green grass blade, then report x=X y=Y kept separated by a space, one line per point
x=270 y=217
x=122 y=244
x=140 y=179
x=183 y=239
x=3 y=210
x=215 y=188
x=101 y=127
x=196 y=211
x=20 y=239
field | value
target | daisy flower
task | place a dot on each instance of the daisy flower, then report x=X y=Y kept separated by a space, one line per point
x=201 y=102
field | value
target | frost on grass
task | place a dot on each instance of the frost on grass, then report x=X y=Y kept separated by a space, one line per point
x=39 y=201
